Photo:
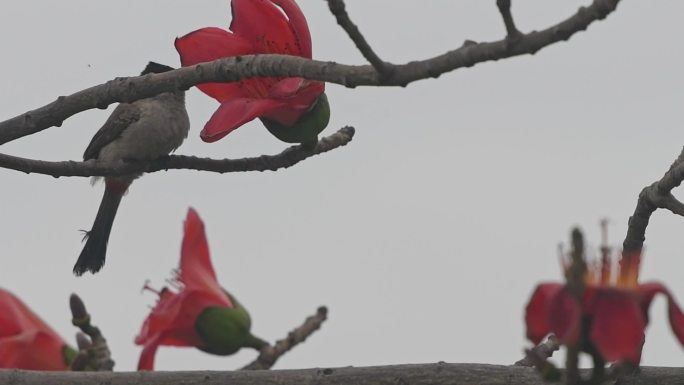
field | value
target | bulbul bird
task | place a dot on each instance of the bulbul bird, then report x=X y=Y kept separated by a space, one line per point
x=143 y=130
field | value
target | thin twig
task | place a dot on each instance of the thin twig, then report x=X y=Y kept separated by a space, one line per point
x=289 y=157
x=548 y=372
x=575 y=284
x=505 y=10
x=270 y=354
x=540 y=353
x=656 y=196
x=338 y=9
x=241 y=67
x=98 y=352
x=578 y=265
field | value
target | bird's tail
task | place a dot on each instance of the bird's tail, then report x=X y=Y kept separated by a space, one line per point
x=92 y=256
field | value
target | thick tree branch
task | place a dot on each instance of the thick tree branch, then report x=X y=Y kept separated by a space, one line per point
x=270 y=354
x=425 y=374
x=338 y=9
x=241 y=67
x=289 y=157
x=656 y=196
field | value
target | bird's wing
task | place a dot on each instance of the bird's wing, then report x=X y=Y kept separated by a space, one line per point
x=123 y=116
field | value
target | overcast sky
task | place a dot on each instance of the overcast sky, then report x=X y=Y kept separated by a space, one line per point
x=424 y=236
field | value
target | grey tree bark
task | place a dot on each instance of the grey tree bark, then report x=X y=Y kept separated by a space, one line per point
x=425 y=374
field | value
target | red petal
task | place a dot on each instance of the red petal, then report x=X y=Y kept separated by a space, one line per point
x=537 y=311
x=617 y=326
x=172 y=321
x=297 y=105
x=146 y=360
x=648 y=291
x=195 y=263
x=196 y=270
x=286 y=88
x=234 y=113
x=565 y=317
x=208 y=44
x=175 y=313
x=298 y=24
x=26 y=342
x=676 y=319
x=35 y=350
x=16 y=317
x=265 y=26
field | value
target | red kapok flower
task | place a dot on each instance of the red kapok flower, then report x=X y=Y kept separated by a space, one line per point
x=611 y=316
x=26 y=342
x=201 y=313
x=258 y=27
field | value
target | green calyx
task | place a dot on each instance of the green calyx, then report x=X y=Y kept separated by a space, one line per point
x=307 y=128
x=69 y=354
x=224 y=330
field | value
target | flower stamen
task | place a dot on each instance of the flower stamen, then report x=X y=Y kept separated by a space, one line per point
x=147 y=287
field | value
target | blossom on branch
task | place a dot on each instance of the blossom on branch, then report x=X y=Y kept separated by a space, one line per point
x=200 y=313
x=26 y=342
x=610 y=318
x=295 y=110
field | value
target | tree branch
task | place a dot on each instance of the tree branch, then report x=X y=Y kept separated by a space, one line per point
x=656 y=196
x=241 y=67
x=424 y=374
x=338 y=9
x=97 y=351
x=289 y=157
x=540 y=353
x=270 y=354
x=505 y=10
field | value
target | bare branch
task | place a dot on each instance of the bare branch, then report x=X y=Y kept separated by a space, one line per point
x=540 y=353
x=242 y=67
x=538 y=356
x=425 y=374
x=84 y=344
x=98 y=353
x=576 y=285
x=338 y=9
x=505 y=10
x=270 y=354
x=289 y=157
x=656 y=196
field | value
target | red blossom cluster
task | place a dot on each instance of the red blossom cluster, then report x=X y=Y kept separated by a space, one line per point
x=610 y=316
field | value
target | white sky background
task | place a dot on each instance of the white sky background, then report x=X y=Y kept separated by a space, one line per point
x=424 y=236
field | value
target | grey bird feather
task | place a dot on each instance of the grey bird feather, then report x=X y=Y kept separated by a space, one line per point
x=123 y=116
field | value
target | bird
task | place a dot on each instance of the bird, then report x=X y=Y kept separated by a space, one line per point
x=145 y=129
